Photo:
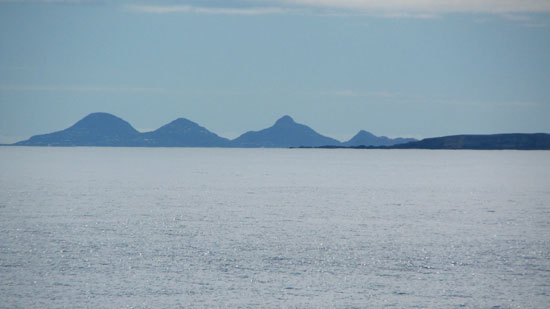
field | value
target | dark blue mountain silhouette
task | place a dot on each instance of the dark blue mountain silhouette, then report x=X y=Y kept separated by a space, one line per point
x=183 y=133
x=102 y=129
x=284 y=133
x=97 y=129
x=365 y=138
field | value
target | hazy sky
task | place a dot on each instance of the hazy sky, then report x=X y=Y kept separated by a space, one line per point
x=416 y=68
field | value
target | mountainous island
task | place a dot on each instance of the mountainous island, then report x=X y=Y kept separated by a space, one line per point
x=103 y=129
x=364 y=138
x=284 y=133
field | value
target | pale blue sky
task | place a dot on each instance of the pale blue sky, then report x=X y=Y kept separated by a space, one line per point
x=423 y=68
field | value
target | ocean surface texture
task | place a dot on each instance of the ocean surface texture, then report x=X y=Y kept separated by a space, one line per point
x=164 y=228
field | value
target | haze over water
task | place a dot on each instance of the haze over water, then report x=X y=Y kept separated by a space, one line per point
x=192 y=227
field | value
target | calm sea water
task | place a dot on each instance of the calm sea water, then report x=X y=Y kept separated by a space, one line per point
x=164 y=228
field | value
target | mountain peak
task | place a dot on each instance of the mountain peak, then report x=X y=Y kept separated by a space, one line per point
x=99 y=117
x=365 y=138
x=364 y=133
x=284 y=133
x=184 y=133
x=183 y=122
x=103 y=123
x=96 y=129
x=285 y=120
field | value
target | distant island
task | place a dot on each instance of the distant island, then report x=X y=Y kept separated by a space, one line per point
x=103 y=129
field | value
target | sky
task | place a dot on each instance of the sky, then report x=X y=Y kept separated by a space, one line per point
x=410 y=68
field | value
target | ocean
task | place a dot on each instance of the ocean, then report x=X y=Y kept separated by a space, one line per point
x=308 y=228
